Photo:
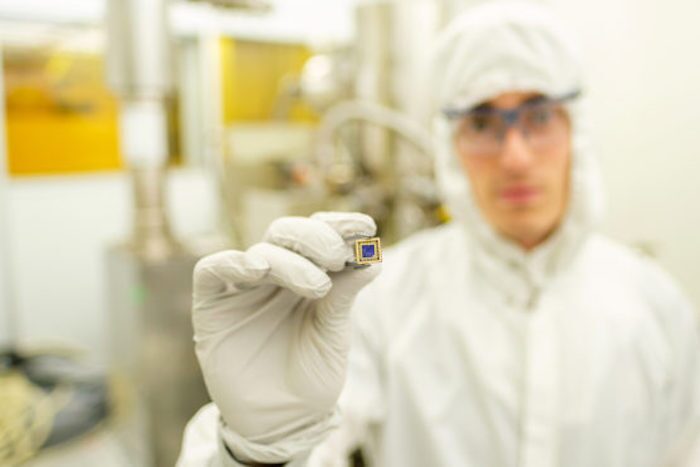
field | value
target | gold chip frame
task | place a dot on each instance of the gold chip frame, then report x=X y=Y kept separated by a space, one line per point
x=377 y=258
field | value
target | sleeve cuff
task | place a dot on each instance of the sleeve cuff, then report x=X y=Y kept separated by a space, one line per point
x=291 y=451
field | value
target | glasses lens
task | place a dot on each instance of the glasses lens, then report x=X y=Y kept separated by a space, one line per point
x=480 y=132
x=544 y=123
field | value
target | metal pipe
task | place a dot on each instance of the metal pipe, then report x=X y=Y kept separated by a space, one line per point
x=138 y=49
x=380 y=115
x=139 y=71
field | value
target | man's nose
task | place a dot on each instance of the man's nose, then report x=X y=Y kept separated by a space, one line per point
x=515 y=151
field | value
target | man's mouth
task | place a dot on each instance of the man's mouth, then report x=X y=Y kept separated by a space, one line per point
x=519 y=195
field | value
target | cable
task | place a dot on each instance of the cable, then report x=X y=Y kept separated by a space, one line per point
x=372 y=112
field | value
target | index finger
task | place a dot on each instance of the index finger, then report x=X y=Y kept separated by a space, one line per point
x=349 y=225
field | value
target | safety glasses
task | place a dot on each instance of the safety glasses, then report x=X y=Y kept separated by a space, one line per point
x=481 y=131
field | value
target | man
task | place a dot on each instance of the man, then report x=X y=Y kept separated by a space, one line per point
x=512 y=336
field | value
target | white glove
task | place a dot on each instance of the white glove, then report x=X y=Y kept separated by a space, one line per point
x=272 y=332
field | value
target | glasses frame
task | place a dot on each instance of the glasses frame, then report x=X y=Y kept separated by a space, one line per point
x=510 y=116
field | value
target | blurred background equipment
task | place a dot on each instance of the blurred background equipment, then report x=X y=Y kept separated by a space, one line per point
x=49 y=401
x=150 y=275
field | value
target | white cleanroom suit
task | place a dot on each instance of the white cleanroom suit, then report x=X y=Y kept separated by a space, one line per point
x=466 y=350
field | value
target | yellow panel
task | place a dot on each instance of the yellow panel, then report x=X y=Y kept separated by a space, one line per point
x=253 y=76
x=43 y=144
x=60 y=116
x=227 y=62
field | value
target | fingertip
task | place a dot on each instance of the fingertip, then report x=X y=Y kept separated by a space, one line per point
x=313 y=283
x=308 y=290
x=348 y=224
x=323 y=289
x=256 y=264
x=215 y=272
x=292 y=271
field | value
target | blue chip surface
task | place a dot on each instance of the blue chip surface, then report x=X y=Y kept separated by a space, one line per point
x=367 y=251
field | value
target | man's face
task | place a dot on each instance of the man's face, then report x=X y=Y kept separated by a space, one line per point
x=522 y=184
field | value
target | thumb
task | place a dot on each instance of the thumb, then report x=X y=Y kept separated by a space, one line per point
x=333 y=309
x=326 y=339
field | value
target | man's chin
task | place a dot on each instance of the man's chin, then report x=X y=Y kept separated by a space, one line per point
x=527 y=232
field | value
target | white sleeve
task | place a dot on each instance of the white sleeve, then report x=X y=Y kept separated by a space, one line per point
x=203 y=446
x=200 y=440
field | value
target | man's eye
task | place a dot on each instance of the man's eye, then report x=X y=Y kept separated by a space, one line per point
x=479 y=123
x=541 y=116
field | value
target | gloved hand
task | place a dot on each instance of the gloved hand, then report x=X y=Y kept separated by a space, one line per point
x=272 y=332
